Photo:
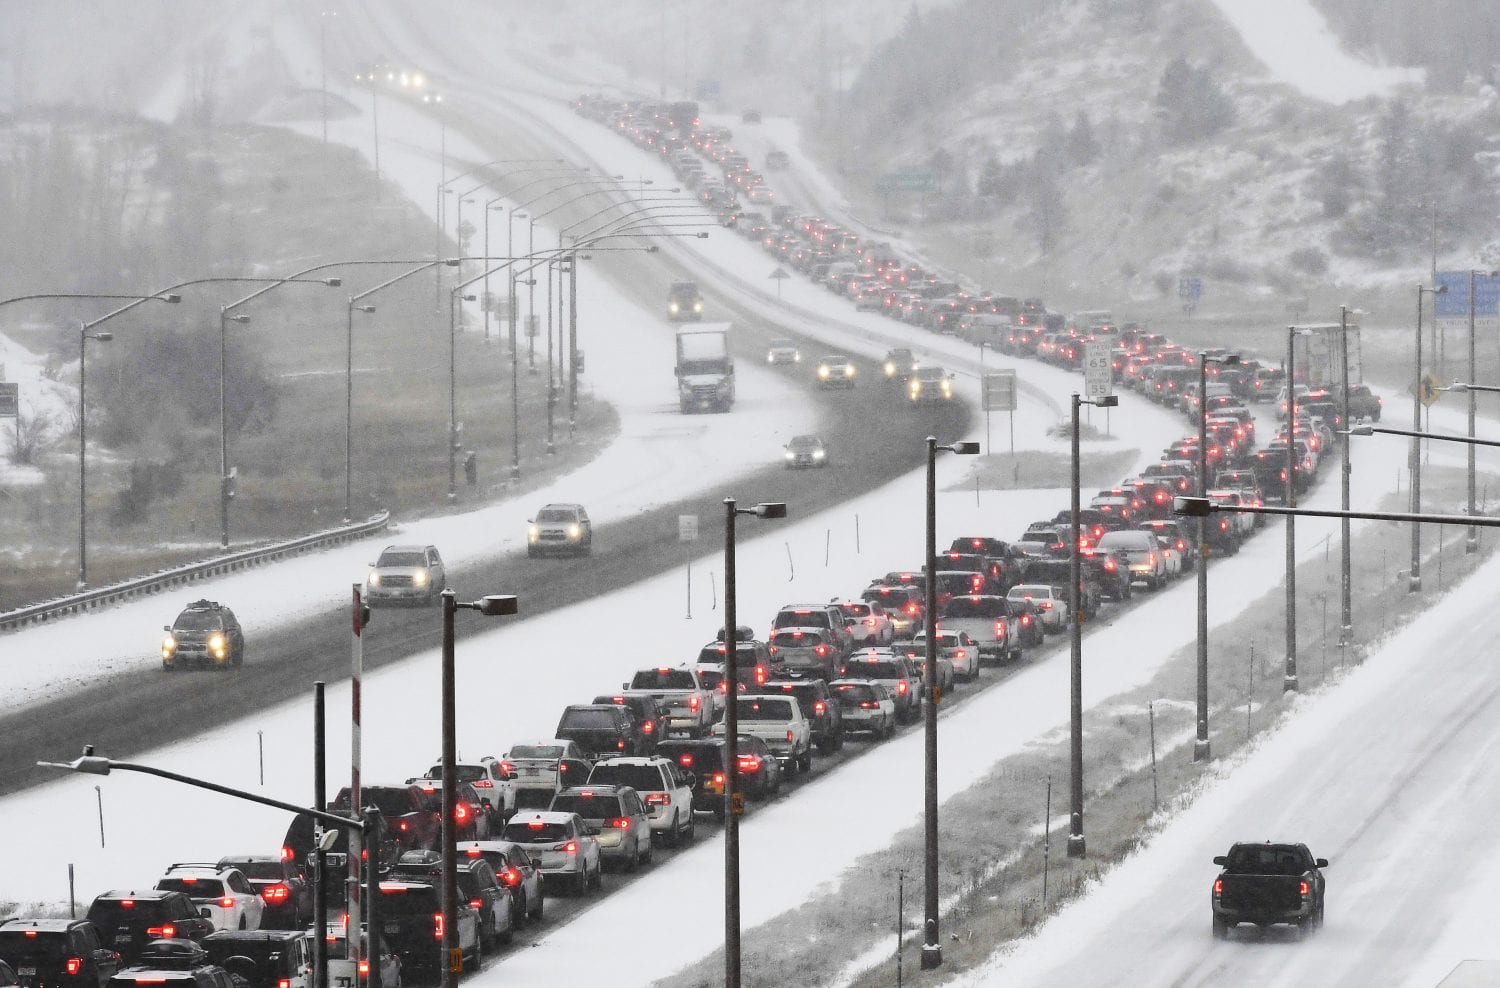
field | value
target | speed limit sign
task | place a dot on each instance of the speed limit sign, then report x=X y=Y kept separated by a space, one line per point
x=1098 y=375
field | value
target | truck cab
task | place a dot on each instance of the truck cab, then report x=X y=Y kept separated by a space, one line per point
x=684 y=302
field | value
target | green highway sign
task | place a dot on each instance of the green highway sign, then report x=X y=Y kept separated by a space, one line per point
x=908 y=181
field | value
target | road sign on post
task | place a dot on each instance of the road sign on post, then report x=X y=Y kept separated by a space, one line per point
x=907 y=181
x=1000 y=391
x=1098 y=374
x=687 y=528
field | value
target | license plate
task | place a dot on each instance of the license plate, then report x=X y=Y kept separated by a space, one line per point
x=123 y=938
x=393 y=928
x=533 y=772
x=26 y=972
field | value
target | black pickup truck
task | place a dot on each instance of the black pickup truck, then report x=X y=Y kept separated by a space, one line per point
x=1266 y=884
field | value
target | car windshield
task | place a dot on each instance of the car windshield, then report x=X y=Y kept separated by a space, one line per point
x=973 y=607
x=1268 y=859
x=589 y=720
x=590 y=806
x=402 y=559
x=197 y=621
x=852 y=694
x=757 y=709
x=782 y=345
x=867 y=669
x=796 y=639
x=537 y=751
x=260 y=870
x=554 y=514
x=531 y=798
x=197 y=888
x=466 y=773
x=663 y=679
x=640 y=777
x=1038 y=591
x=414 y=899
x=855 y=610
x=25 y=948
x=801 y=619
x=393 y=801
x=535 y=831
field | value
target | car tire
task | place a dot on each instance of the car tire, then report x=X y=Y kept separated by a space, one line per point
x=541 y=906
x=518 y=910
x=580 y=881
x=634 y=862
x=804 y=763
x=597 y=882
x=1221 y=929
x=827 y=745
x=692 y=829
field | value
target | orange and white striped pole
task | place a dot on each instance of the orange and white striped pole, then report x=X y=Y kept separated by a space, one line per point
x=356 y=841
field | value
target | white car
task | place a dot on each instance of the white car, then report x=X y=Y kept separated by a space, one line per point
x=866 y=707
x=1050 y=603
x=222 y=895
x=868 y=622
x=560 y=844
x=955 y=645
x=492 y=780
x=666 y=789
x=783 y=352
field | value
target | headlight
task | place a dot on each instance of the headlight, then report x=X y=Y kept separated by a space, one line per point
x=168 y=647
x=916 y=389
x=890 y=369
x=790 y=455
x=796 y=358
x=770 y=358
x=947 y=388
x=374 y=579
x=533 y=533
x=848 y=371
x=697 y=306
x=216 y=644
x=818 y=454
x=420 y=578
x=672 y=308
x=823 y=373
x=575 y=531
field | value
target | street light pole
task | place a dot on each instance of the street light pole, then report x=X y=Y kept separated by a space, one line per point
x=1202 y=750
x=493 y=605
x=1289 y=680
x=225 y=490
x=932 y=947
x=1077 y=847
x=1471 y=544
x=1346 y=577
x=732 y=798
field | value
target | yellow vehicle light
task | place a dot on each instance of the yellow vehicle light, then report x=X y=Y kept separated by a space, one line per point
x=168 y=647
x=575 y=531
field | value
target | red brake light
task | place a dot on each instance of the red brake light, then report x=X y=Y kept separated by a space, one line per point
x=648 y=728
x=227 y=902
x=511 y=877
x=901 y=686
x=506 y=768
x=536 y=824
x=620 y=744
x=789 y=739
x=749 y=763
x=1305 y=888
x=73 y=964
x=477 y=903
x=820 y=707
x=31 y=934
x=718 y=778
x=483 y=784
x=364 y=969
x=166 y=930
x=388 y=890
x=437 y=926
x=189 y=881
x=694 y=703
x=685 y=759
x=473 y=852
x=571 y=847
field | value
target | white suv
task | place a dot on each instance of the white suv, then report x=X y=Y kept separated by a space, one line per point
x=222 y=895
x=666 y=789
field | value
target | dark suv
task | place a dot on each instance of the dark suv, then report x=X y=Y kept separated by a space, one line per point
x=206 y=633
x=56 y=953
x=602 y=729
x=262 y=958
x=651 y=714
x=477 y=885
x=282 y=886
x=412 y=914
x=819 y=707
x=411 y=819
x=684 y=302
x=128 y=920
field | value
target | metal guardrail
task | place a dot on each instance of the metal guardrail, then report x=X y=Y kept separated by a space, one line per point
x=88 y=600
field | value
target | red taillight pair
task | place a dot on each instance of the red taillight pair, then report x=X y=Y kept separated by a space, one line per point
x=749 y=763
x=658 y=799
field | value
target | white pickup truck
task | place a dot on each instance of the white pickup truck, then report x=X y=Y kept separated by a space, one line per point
x=778 y=721
x=688 y=701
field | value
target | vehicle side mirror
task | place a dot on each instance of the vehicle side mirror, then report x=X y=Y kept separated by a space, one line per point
x=1221 y=859
x=166 y=627
x=689 y=779
x=1321 y=862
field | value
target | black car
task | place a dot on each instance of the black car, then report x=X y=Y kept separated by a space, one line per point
x=602 y=729
x=477 y=885
x=56 y=953
x=206 y=633
x=819 y=707
x=282 y=886
x=650 y=713
x=128 y=919
x=758 y=776
x=412 y=914
x=262 y=958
